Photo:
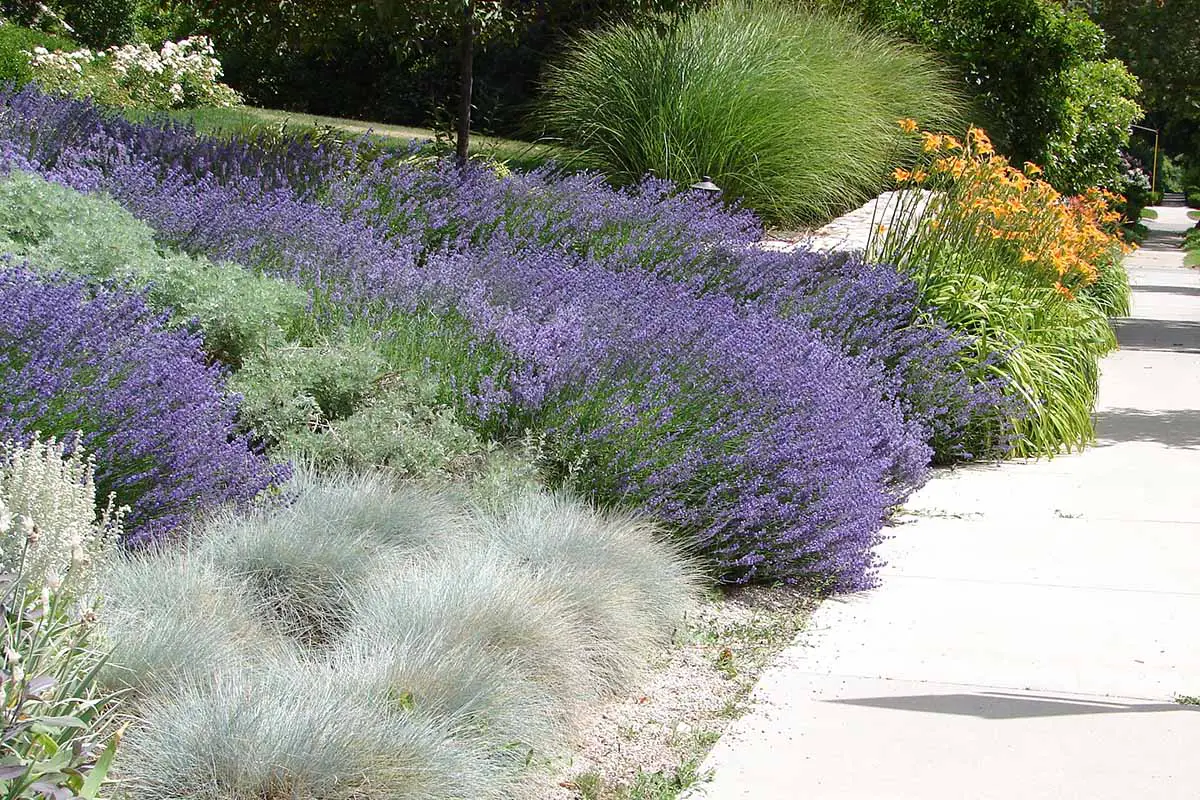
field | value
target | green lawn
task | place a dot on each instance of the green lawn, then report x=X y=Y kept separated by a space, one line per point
x=1194 y=215
x=1149 y=213
x=243 y=119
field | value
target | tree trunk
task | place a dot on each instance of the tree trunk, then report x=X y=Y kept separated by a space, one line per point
x=466 y=70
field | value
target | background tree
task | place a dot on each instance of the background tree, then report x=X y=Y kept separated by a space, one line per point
x=458 y=23
x=1160 y=41
x=1038 y=76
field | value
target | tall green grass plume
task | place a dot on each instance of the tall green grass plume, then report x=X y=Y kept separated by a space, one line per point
x=789 y=109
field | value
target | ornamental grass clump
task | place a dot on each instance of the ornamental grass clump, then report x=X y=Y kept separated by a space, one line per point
x=787 y=108
x=464 y=640
x=574 y=549
x=99 y=361
x=1006 y=259
x=305 y=563
x=290 y=731
x=171 y=618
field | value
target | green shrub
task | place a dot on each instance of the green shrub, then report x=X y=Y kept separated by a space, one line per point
x=347 y=401
x=1034 y=71
x=1097 y=109
x=404 y=427
x=295 y=388
x=182 y=74
x=92 y=236
x=1191 y=246
x=16 y=43
x=791 y=111
x=100 y=23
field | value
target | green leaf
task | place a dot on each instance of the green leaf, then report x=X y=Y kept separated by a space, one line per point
x=95 y=779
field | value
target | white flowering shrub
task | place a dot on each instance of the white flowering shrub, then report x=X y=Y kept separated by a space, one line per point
x=183 y=74
x=49 y=529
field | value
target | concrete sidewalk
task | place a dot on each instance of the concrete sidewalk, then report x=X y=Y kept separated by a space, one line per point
x=1035 y=620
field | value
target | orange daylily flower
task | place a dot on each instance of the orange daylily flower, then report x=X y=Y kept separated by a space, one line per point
x=931 y=142
x=908 y=124
x=1057 y=239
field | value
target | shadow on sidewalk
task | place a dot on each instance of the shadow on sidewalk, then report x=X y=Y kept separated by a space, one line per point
x=1193 y=291
x=1176 y=428
x=1158 y=334
x=1002 y=705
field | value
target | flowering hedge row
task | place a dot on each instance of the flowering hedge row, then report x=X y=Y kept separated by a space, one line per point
x=773 y=407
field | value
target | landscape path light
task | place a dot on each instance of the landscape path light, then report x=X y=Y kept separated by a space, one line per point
x=706 y=185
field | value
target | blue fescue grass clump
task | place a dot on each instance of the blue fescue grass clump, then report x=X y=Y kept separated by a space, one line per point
x=97 y=360
x=771 y=407
x=457 y=642
x=173 y=616
x=293 y=731
x=304 y=563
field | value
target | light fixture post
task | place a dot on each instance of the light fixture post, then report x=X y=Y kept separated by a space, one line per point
x=1154 y=167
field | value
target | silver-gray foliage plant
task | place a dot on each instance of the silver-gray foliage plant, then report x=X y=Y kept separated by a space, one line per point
x=377 y=640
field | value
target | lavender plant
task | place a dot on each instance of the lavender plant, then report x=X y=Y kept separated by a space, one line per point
x=58 y=229
x=554 y=318
x=97 y=360
x=773 y=408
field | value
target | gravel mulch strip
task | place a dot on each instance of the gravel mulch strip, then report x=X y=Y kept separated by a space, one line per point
x=650 y=744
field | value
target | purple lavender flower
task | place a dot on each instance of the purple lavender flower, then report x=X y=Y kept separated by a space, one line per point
x=98 y=360
x=773 y=407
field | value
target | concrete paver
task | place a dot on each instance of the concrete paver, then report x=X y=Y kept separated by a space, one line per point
x=1034 y=621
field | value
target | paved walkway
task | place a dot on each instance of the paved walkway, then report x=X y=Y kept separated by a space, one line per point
x=1035 y=621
